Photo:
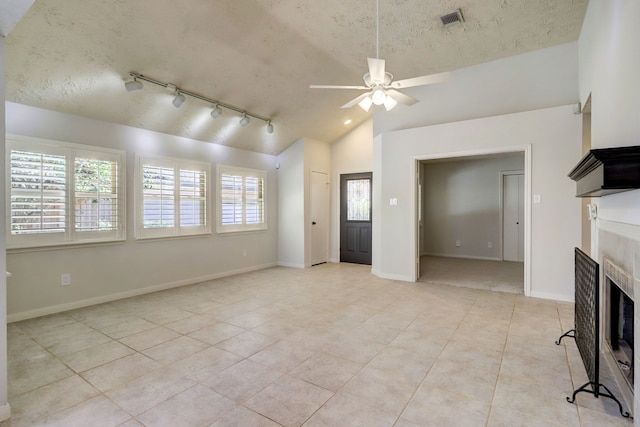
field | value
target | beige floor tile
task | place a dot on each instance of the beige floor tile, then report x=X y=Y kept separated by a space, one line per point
x=348 y=410
x=289 y=401
x=37 y=374
x=175 y=349
x=507 y=417
x=166 y=315
x=96 y=412
x=45 y=401
x=411 y=366
x=246 y=343
x=382 y=389
x=207 y=363
x=79 y=342
x=593 y=418
x=96 y=356
x=120 y=371
x=243 y=380
x=149 y=338
x=191 y=324
x=145 y=392
x=197 y=406
x=131 y=423
x=354 y=348
x=528 y=398
x=327 y=371
x=216 y=333
x=243 y=417
x=283 y=355
x=125 y=329
x=432 y=406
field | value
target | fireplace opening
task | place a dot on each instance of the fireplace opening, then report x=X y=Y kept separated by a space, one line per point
x=619 y=336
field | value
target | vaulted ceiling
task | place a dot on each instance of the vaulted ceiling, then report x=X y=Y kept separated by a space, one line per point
x=257 y=55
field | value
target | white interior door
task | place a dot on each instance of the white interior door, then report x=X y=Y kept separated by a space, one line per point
x=513 y=217
x=319 y=218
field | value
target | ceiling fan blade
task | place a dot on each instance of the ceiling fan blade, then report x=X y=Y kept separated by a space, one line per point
x=376 y=69
x=336 y=87
x=401 y=97
x=355 y=100
x=419 y=81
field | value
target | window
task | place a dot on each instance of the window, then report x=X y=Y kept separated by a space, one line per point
x=62 y=193
x=173 y=197
x=241 y=201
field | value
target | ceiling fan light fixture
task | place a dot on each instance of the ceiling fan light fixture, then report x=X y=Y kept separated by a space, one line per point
x=379 y=96
x=216 y=112
x=244 y=120
x=133 y=85
x=389 y=103
x=178 y=100
x=366 y=103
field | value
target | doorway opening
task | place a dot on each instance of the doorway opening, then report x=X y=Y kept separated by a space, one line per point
x=465 y=203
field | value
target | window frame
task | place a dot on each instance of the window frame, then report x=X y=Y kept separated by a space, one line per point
x=70 y=151
x=244 y=173
x=177 y=229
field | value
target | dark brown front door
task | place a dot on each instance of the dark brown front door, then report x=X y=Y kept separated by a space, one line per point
x=355 y=218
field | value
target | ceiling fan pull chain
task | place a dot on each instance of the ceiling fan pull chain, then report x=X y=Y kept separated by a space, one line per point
x=378 y=29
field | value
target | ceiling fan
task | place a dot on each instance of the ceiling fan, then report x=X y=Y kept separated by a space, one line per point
x=379 y=83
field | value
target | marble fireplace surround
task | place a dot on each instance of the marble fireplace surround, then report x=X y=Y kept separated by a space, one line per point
x=619 y=258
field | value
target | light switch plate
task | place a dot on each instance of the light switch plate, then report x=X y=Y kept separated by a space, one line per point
x=393 y=201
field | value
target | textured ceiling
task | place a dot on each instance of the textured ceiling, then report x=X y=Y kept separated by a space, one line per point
x=258 y=55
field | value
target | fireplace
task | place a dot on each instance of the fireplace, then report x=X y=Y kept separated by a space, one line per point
x=619 y=329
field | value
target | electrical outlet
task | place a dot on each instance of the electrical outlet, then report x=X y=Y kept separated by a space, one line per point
x=458 y=243
x=489 y=245
x=65 y=279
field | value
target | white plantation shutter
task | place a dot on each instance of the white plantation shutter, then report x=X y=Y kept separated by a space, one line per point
x=241 y=204
x=38 y=193
x=193 y=198
x=173 y=195
x=62 y=193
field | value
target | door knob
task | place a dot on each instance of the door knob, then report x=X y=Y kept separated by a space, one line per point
x=313 y=223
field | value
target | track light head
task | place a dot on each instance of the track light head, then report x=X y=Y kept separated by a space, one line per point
x=134 y=85
x=216 y=112
x=269 y=128
x=244 y=120
x=178 y=100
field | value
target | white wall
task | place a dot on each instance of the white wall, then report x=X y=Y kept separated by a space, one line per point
x=554 y=137
x=609 y=64
x=352 y=153
x=317 y=158
x=539 y=79
x=461 y=201
x=102 y=272
x=294 y=199
x=5 y=411
x=291 y=214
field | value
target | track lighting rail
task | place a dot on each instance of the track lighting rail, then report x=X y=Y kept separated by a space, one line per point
x=178 y=90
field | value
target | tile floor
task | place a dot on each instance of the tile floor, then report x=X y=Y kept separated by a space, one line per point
x=328 y=346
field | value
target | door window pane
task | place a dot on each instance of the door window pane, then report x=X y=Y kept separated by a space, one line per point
x=358 y=199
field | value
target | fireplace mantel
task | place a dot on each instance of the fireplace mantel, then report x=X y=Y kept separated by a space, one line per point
x=607 y=171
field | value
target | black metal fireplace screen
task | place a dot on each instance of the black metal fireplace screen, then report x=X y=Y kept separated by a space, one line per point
x=587 y=326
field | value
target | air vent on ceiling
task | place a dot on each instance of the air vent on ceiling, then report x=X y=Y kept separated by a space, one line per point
x=452 y=18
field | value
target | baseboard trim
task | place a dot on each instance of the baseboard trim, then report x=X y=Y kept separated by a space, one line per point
x=391 y=276
x=290 y=265
x=552 y=296
x=5 y=412
x=485 y=258
x=44 y=311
